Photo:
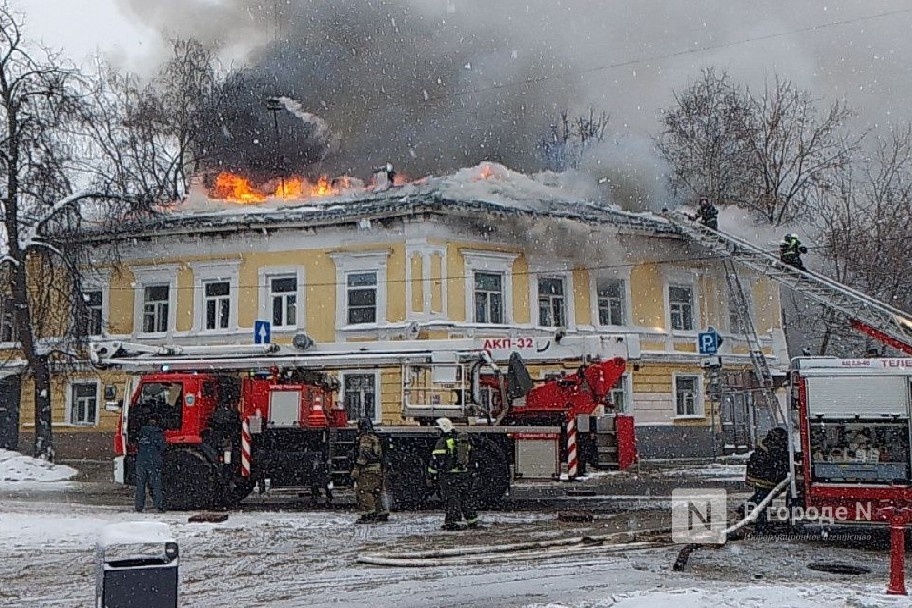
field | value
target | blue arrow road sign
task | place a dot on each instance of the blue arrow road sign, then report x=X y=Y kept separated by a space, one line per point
x=708 y=342
x=262 y=332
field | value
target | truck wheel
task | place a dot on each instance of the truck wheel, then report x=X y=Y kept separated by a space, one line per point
x=189 y=480
x=493 y=481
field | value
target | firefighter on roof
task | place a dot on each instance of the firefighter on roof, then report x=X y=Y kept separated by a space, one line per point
x=708 y=214
x=368 y=474
x=452 y=464
x=790 y=250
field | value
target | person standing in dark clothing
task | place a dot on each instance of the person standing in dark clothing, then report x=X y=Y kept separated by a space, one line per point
x=149 y=461
x=708 y=214
x=452 y=464
x=766 y=467
x=368 y=474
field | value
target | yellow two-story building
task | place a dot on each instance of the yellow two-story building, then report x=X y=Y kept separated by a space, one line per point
x=475 y=255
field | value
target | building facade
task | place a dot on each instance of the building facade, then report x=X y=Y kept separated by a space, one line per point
x=413 y=264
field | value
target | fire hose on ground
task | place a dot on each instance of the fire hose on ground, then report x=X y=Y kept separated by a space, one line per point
x=686 y=552
x=616 y=541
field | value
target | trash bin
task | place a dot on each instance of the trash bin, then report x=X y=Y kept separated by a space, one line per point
x=136 y=566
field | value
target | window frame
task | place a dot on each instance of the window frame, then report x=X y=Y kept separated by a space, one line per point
x=487 y=292
x=354 y=262
x=378 y=397
x=220 y=321
x=205 y=273
x=350 y=308
x=477 y=260
x=266 y=275
x=150 y=276
x=694 y=315
x=625 y=388
x=698 y=397
x=72 y=401
x=91 y=309
x=551 y=299
x=623 y=298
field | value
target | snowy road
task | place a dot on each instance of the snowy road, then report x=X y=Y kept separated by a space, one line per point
x=292 y=559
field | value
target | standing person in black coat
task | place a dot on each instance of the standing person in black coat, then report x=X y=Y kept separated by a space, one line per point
x=766 y=467
x=150 y=456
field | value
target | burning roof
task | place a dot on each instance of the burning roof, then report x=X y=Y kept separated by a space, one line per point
x=231 y=200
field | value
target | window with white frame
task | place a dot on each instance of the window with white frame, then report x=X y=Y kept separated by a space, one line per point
x=156 y=308
x=8 y=332
x=94 y=301
x=552 y=304
x=361 y=297
x=359 y=393
x=681 y=307
x=687 y=396
x=621 y=395
x=216 y=305
x=489 y=297
x=612 y=298
x=283 y=301
x=84 y=403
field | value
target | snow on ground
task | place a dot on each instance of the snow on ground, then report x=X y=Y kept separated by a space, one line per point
x=750 y=596
x=16 y=468
x=289 y=559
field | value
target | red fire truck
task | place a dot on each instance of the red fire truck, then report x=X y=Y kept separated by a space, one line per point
x=853 y=420
x=240 y=416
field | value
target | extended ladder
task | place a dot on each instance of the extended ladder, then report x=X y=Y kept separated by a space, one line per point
x=742 y=306
x=864 y=313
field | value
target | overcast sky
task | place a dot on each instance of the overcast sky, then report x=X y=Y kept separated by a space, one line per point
x=626 y=57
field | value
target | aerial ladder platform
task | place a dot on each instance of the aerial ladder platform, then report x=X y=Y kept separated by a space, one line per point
x=864 y=313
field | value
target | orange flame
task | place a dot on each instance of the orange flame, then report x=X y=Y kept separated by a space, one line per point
x=236 y=189
x=486 y=171
x=298 y=187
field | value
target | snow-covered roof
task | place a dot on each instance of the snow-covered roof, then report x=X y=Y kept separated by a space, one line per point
x=135 y=533
x=486 y=188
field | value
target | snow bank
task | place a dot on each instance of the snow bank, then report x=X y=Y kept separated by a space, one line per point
x=15 y=467
x=719 y=472
x=748 y=596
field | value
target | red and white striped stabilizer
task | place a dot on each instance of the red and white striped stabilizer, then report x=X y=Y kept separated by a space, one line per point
x=572 y=458
x=245 y=448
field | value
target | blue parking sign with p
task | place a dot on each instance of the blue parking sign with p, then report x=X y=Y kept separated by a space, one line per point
x=708 y=342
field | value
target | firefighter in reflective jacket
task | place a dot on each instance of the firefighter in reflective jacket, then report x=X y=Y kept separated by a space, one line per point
x=790 y=250
x=368 y=474
x=708 y=214
x=452 y=464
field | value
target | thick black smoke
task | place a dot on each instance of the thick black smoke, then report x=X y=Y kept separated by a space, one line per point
x=393 y=84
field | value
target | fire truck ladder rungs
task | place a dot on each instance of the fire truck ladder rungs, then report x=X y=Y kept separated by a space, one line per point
x=764 y=376
x=875 y=318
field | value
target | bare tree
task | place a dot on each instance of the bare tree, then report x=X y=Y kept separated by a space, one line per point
x=793 y=152
x=701 y=139
x=59 y=173
x=865 y=228
x=771 y=153
x=569 y=139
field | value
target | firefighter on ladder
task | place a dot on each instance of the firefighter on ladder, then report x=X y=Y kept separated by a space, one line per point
x=452 y=463
x=368 y=474
x=790 y=250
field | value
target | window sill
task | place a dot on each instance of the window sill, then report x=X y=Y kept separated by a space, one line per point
x=691 y=417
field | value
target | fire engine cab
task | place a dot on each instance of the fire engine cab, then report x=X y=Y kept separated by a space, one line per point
x=853 y=420
x=240 y=416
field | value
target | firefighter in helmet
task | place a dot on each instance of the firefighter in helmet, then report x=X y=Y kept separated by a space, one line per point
x=708 y=214
x=368 y=474
x=452 y=465
x=790 y=250
x=766 y=467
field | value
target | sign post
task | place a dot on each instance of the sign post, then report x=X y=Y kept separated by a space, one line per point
x=262 y=332
x=708 y=341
